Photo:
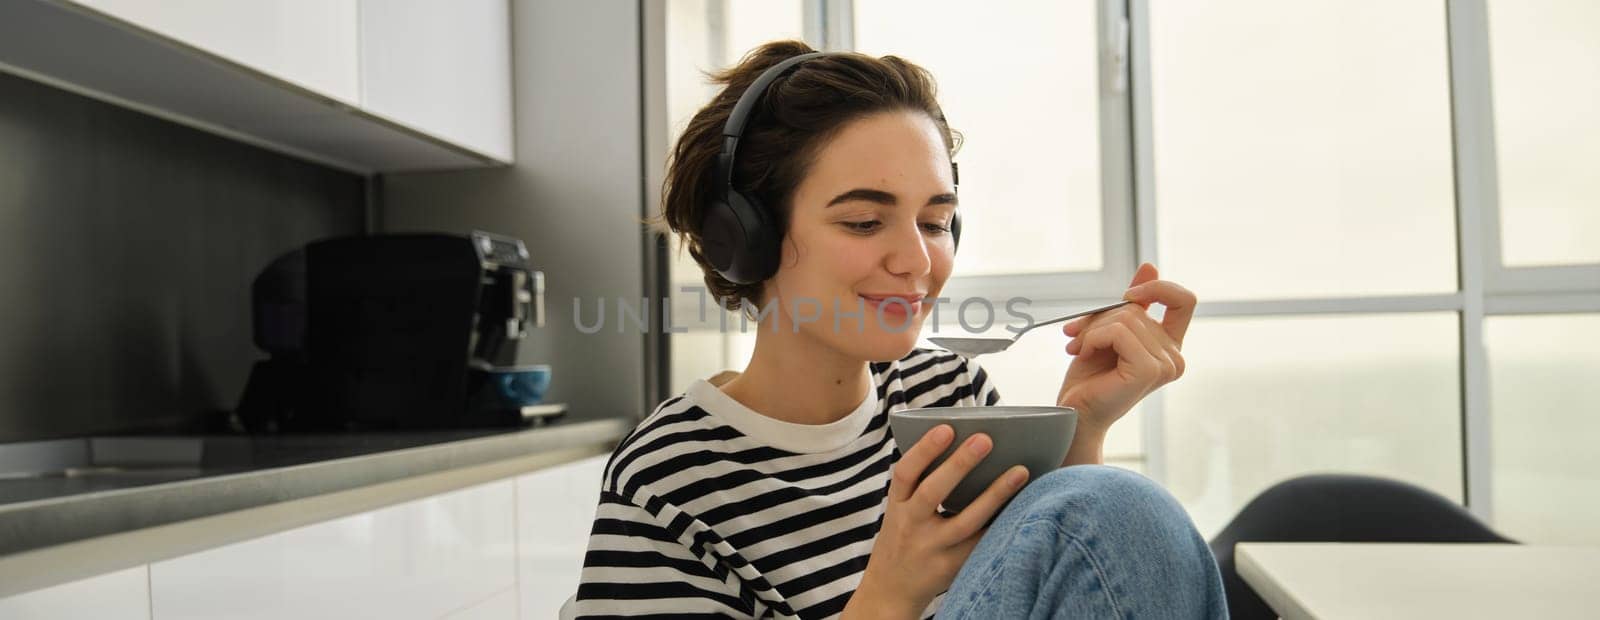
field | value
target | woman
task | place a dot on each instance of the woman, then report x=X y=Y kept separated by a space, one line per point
x=778 y=491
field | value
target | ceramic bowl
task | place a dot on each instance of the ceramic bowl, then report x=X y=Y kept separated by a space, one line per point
x=1031 y=436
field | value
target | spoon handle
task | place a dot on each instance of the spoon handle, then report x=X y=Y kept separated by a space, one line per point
x=1078 y=314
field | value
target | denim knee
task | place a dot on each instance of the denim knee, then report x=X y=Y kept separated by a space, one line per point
x=1091 y=541
x=1090 y=498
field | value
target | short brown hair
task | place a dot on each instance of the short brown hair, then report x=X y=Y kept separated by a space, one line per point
x=796 y=117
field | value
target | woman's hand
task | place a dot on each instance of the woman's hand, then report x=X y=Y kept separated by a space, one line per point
x=918 y=552
x=1122 y=355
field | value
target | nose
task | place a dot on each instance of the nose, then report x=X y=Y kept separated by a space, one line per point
x=908 y=251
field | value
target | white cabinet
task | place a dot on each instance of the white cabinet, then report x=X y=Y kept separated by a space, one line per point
x=422 y=559
x=512 y=548
x=364 y=85
x=555 y=510
x=440 y=67
x=310 y=43
x=123 y=595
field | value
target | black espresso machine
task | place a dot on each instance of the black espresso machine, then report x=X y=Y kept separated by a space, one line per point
x=398 y=331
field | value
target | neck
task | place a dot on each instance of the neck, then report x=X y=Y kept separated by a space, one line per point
x=795 y=378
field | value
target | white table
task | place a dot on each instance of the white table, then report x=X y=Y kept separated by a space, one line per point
x=1379 y=580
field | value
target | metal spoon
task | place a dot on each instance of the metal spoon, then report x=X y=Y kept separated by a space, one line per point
x=973 y=347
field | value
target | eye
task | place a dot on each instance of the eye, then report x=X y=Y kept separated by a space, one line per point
x=861 y=227
x=936 y=227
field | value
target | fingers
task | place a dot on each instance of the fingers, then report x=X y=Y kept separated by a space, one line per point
x=1120 y=338
x=1117 y=314
x=1168 y=358
x=1145 y=327
x=1157 y=343
x=1180 y=303
x=1146 y=289
x=903 y=478
x=1076 y=325
x=1145 y=273
x=938 y=484
x=972 y=518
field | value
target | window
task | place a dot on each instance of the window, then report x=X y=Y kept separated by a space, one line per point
x=1269 y=398
x=1546 y=418
x=1545 y=66
x=1320 y=170
x=1302 y=149
x=1292 y=163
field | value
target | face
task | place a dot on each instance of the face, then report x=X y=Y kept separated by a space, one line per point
x=869 y=221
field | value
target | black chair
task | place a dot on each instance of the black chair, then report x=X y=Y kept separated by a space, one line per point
x=1339 y=508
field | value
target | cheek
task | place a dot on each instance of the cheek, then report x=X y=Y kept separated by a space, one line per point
x=853 y=261
x=824 y=259
x=941 y=263
x=824 y=262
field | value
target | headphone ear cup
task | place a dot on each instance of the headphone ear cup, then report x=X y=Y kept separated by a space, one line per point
x=955 y=228
x=721 y=236
x=760 y=260
x=739 y=239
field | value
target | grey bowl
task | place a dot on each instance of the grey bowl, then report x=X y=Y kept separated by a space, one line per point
x=1034 y=437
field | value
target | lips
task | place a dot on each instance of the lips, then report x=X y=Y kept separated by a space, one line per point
x=883 y=303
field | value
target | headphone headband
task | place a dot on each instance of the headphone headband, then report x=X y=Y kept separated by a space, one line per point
x=734 y=128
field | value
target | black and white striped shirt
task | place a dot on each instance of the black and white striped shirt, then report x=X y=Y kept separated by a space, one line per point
x=710 y=508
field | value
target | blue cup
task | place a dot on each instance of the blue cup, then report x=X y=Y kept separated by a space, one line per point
x=520 y=386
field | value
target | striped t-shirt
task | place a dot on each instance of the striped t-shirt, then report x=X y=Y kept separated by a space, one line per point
x=710 y=508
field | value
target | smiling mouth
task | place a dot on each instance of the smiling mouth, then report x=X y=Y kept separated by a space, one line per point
x=894 y=304
x=908 y=297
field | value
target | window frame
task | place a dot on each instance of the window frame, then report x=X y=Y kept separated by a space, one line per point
x=1485 y=286
x=1488 y=286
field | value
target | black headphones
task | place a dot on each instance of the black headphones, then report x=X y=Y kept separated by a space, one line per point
x=738 y=234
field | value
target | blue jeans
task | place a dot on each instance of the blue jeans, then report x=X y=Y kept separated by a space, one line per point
x=1089 y=541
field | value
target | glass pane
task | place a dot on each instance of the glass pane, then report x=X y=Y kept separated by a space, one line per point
x=750 y=24
x=1545 y=407
x=1265 y=399
x=1545 y=62
x=1019 y=80
x=704 y=35
x=1303 y=149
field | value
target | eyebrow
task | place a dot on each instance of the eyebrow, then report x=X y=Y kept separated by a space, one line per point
x=886 y=198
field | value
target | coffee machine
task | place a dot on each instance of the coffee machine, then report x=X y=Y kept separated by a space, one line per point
x=398 y=331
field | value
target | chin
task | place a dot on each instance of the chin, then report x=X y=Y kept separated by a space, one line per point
x=878 y=346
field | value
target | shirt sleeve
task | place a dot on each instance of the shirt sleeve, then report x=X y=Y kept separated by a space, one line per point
x=635 y=566
x=984 y=391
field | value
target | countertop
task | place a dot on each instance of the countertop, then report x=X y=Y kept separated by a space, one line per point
x=215 y=490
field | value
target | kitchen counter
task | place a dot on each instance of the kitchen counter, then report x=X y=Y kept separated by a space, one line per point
x=75 y=521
